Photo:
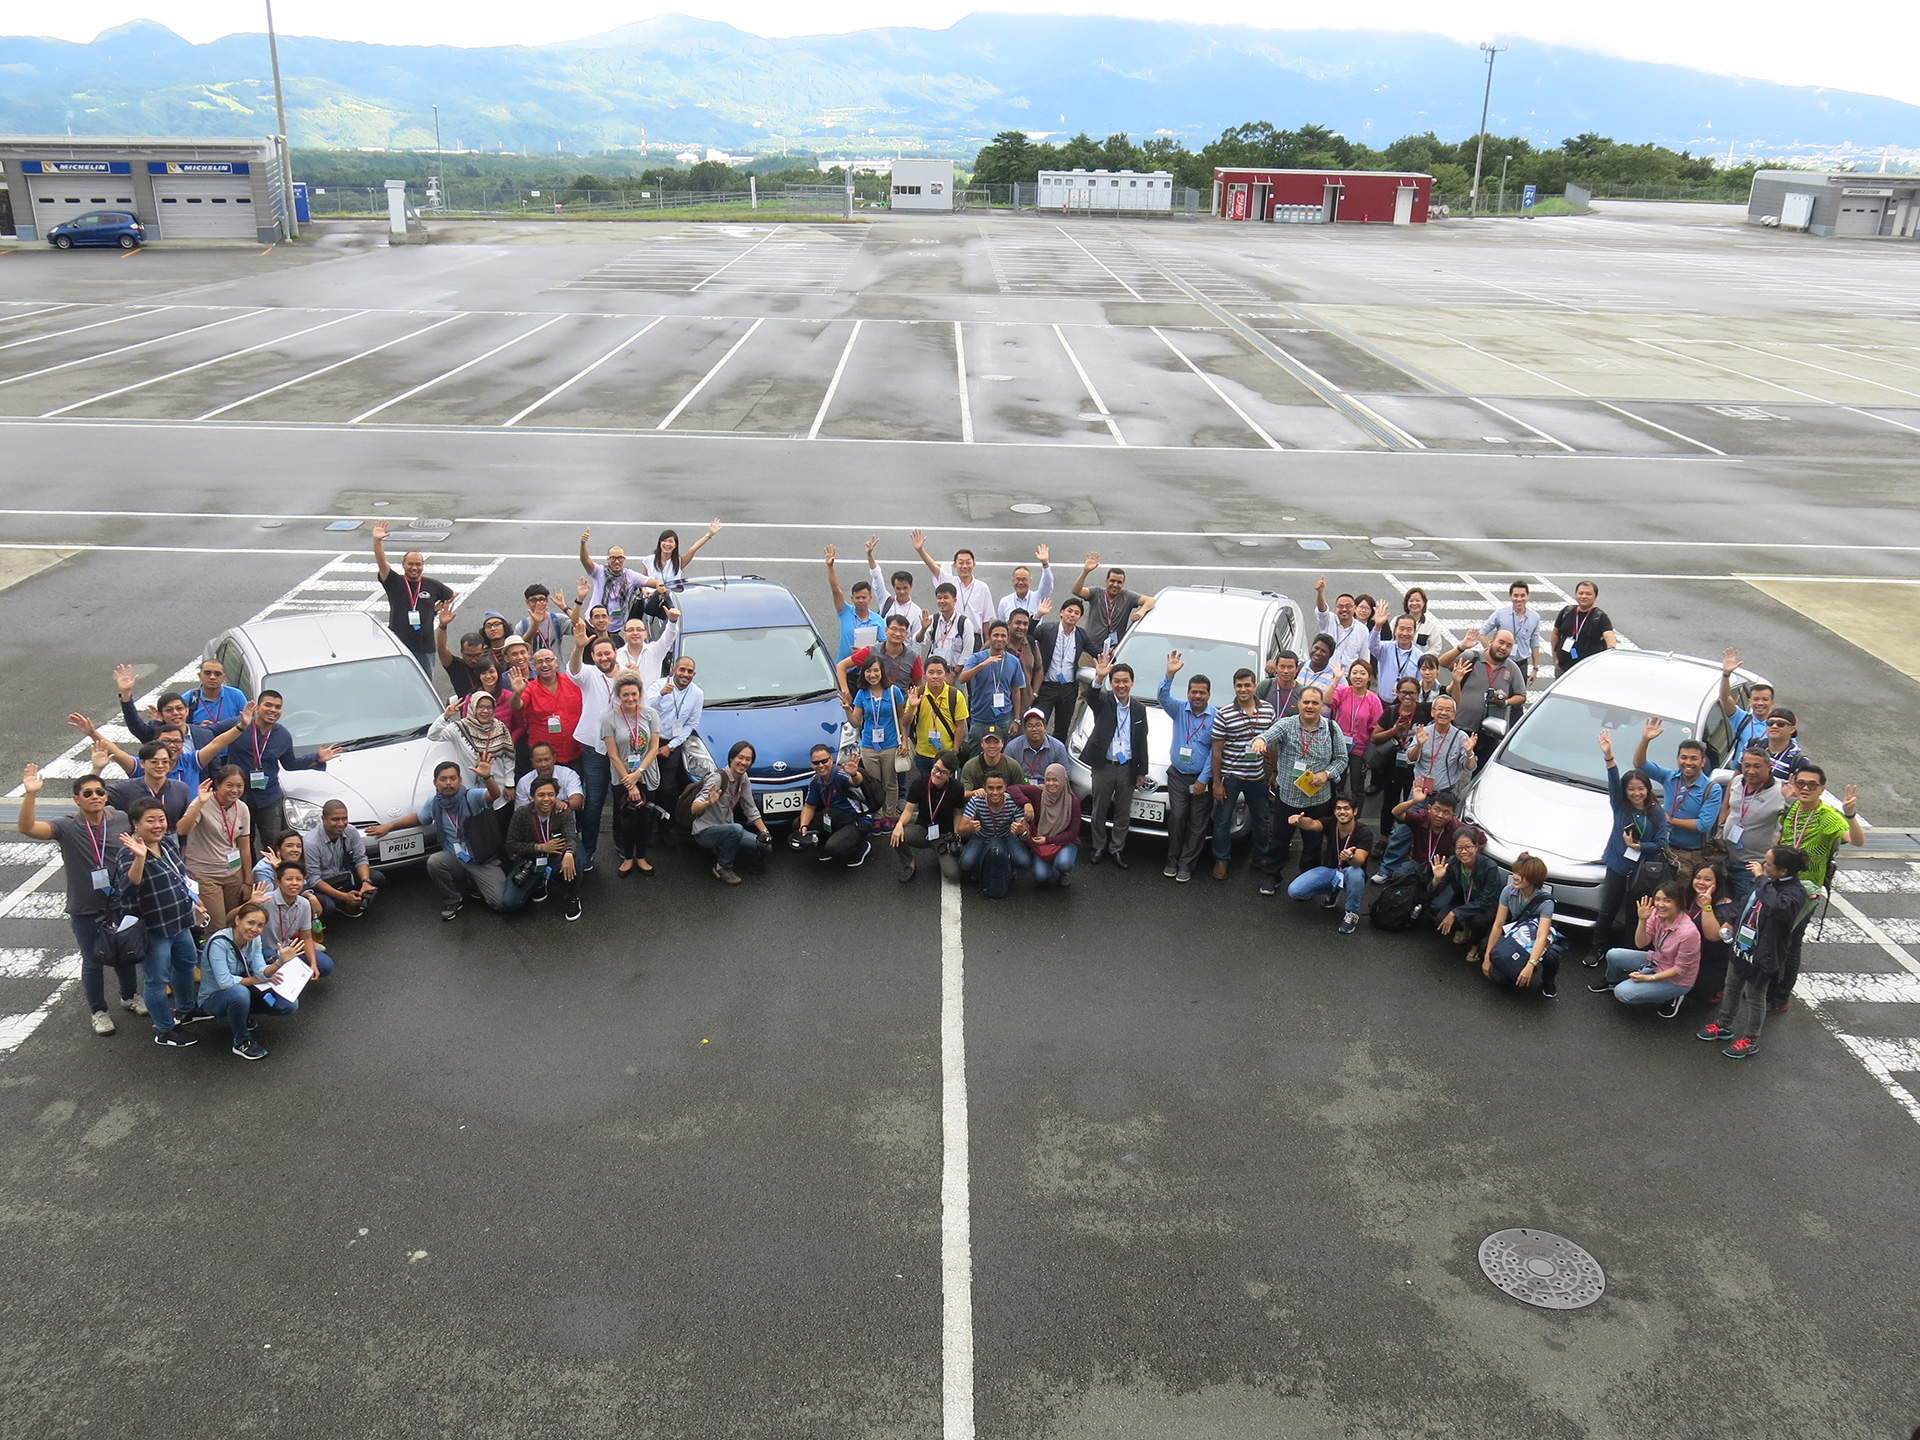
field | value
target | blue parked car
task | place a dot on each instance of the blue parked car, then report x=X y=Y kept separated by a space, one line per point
x=99 y=227
x=767 y=677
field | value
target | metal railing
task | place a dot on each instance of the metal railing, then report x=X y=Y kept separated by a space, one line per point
x=479 y=200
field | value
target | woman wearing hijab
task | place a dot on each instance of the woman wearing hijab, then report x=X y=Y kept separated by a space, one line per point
x=1053 y=825
x=470 y=726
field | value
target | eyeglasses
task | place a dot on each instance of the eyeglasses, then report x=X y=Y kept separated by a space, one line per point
x=1778 y=724
x=818 y=763
x=93 y=794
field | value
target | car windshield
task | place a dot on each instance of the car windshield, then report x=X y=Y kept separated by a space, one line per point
x=759 y=666
x=1560 y=738
x=1215 y=659
x=356 y=702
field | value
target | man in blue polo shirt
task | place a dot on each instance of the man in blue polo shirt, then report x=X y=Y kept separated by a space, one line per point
x=992 y=677
x=859 y=625
x=1189 y=769
x=215 y=705
x=264 y=749
x=1692 y=798
x=455 y=865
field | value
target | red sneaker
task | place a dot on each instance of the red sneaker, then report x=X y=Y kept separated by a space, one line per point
x=1711 y=1031
x=1741 y=1049
x=1780 y=1009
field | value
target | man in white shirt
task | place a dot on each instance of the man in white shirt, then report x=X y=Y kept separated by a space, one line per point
x=949 y=633
x=1523 y=622
x=1024 y=596
x=677 y=701
x=572 y=794
x=1351 y=640
x=900 y=600
x=1396 y=659
x=596 y=698
x=641 y=655
x=972 y=595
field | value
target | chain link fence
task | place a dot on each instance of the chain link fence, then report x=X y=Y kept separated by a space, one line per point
x=482 y=201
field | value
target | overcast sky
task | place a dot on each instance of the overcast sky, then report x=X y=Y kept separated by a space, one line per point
x=1853 y=44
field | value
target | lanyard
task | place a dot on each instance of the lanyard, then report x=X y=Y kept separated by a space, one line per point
x=233 y=830
x=679 y=702
x=1799 y=822
x=934 y=807
x=260 y=745
x=632 y=722
x=1063 y=648
x=1400 y=659
x=1280 y=710
x=1433 y=753
x=544 y=824
x=1340 y=840
x=1106 y=607
x=1307 y=737
x=413 y=589
x=1191 y=726
x=215 y=709
x=98 y=846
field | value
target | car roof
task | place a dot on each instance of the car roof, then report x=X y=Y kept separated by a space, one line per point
x=301 y=642
x=743 y=602
x=1655 y=681
x=1209 y=613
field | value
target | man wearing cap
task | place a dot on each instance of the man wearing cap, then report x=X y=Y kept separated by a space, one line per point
x=412 y=599
x=1783 y=742
x=516 y=673
x=992 y=760
x=1033 y=749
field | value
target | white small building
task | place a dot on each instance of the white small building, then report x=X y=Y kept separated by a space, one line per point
x=1106 y=190
x=922 y=185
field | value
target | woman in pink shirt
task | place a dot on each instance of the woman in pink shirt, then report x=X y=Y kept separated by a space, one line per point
x=1665 y=967
x=1356 y=710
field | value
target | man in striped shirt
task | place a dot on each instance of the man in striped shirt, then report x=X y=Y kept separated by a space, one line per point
x=1237 y=771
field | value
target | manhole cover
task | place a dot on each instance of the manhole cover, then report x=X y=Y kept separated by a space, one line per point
x=1392 y=542
x=344 y=525
x=429 y=524
x=1542 y=1269
x=1031 y=507
x=1312 y=544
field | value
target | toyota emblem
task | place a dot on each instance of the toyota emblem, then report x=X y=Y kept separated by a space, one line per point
x=779 y=767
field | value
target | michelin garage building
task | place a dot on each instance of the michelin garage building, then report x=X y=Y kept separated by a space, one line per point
x=197 y=189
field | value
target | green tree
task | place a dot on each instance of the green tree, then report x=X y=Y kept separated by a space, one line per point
x=713 y=175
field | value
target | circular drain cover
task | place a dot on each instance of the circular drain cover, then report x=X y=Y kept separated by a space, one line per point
x=1031 y=507
x=1391 y=542
x=429 y=524
x=1542 y=1269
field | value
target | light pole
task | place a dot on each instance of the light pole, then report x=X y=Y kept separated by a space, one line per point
x=280 y=110
x=1500 y=205
x=439 y=164
x=1473 y=196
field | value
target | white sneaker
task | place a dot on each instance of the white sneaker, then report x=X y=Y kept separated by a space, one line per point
x=134 y=1005
x=102 y=1023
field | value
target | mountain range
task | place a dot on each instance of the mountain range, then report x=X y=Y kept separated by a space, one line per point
x=684 y=81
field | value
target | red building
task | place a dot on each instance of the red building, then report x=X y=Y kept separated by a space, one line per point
x=1367 y=197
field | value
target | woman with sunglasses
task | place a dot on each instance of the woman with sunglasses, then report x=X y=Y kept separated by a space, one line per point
x=88 y=840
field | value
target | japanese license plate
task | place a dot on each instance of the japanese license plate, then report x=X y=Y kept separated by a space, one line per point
x=781 y=802
x=403 y=847
x=1152 y=811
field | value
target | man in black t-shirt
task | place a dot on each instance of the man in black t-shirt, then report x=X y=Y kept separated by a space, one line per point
x=934 y=801
x=413 y=601
x=1582 y=629
x=88 y=840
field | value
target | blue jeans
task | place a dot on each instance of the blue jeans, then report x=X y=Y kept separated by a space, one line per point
x=596 y=776
x=1327 y=879
x=724 y=841
x=170 y=961
x=1059 y=867
x=1399 y=851
x=1259 y=810
x=264 y=1002
x=232 y=1005
x=1016 y=852
x=92 y=980
x=1622 y=963
x=514 y=896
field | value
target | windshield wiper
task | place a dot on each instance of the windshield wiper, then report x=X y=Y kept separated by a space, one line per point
x=366 y=741
x=762 y=702
x=1548 y=772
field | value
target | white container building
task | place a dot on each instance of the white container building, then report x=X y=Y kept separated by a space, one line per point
x=922 y=185
x=1113 y=190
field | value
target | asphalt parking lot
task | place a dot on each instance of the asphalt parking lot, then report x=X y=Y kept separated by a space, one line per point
x=825 y=1155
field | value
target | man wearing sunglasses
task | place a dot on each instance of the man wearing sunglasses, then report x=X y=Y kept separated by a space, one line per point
x=1815 y=829
x=88 y=841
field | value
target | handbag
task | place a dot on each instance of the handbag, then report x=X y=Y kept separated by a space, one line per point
x=902 y=761
x=120 y=938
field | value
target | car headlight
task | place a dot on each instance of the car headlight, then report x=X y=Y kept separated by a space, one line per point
x=302 y=815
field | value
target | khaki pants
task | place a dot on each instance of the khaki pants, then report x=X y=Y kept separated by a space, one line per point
x=222 y=895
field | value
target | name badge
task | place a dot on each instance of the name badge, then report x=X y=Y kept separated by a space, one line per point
x=101 y=880
x=879 y=736
x=1567 y=645
x=1186 y=752
x=1743 y=937
x=193 y=886
x=1633 y=853
x=413 y=618
x=999 y=699
x=461 y=852
x=1734 y=832
x=933 y=832
x=233 y=859
x=633 y=762
x=864 y=635
x=257 y=780
x=553 y=724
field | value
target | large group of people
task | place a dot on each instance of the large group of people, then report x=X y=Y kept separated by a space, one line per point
x=185 y=873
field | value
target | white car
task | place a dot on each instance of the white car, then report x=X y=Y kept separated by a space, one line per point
x=1217 y=630
x=1544 y=788
x=346 y=680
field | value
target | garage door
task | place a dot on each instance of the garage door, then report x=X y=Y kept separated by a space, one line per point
x=60 y=198
x=200 y=207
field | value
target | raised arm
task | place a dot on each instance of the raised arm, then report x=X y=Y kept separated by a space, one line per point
x=713 y=529
x=833 y=583
x=30 y=785
x=380 y=565
x=1648 y=734
x=918 y=540
x=1086 y=569
x=1729 y=662
x=120 y=757
x=444 y=613
x=586 y=556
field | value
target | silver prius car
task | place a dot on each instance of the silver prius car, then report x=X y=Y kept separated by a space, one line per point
x=1217 y=630
x=1544 y=788
x=346 y=680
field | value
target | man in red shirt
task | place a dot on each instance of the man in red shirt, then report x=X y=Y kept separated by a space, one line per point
x=550 y=704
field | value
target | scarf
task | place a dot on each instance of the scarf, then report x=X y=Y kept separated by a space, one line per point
x=492 y=738
x=1053 y=814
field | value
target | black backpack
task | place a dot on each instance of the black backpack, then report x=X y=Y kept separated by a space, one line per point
x=996 y=872
x=1401 y=904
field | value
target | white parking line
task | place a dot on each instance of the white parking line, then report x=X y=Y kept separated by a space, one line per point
x=1825 y=369
x=1524 y=370
x=1225 y=398
x=1092 y=394
x=1888 y=419
x=1656 y=425
x=565 y=384
x=448 y=375
x=1716 y=365
x=137 y=345
x=313 y=374
x=732 y=350
x=1516 y=420
x=966 y=403
x=75 y=330
x=201 y=365
x=956 y=1223
x=1098 y=261
x=43 y=310
x=833 y=385
x=737 y=259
